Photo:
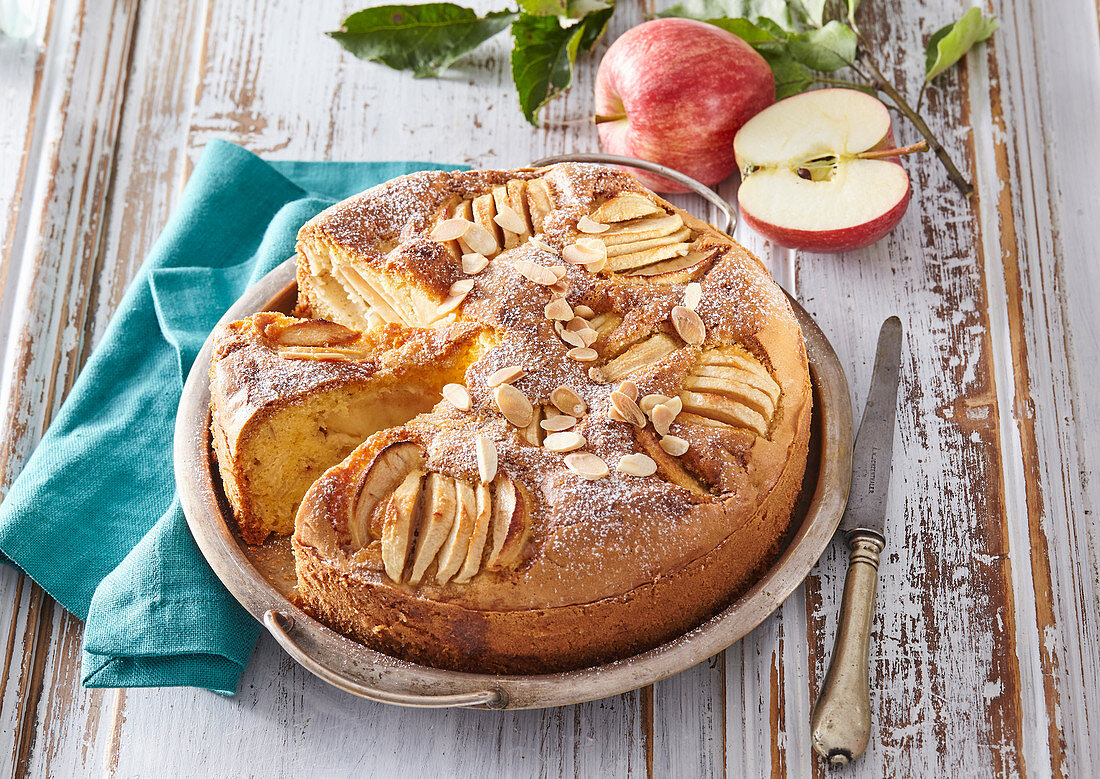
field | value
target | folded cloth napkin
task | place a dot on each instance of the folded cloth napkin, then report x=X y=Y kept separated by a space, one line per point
x=93 y=517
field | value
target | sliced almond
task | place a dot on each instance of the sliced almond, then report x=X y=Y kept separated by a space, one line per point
x=507 y=218
x=674 y=445
x=539 y=274
x=663 y=416
x=486 y=452
x=480 y=240
x=567 y=401
x=588 y=225
x=560 y=271
x=571 y=338
x=693 y=293
x=582 y=354
x=538 y=243
x=558 y=309
x=584 y=311
x=514 y=405
x=562 y=288
x=596 y=266
x=637 y=465
x=558 y=422
x=456 y=294
x=689 y=325
x=585 y=251
x=588 y=336
x=649 y=401
x=505 y=375
x=474 y=263
x=628 y=388
x=458 y=396
x=586 y=465
x=565 y=441
x=627 y=409
x=450 y=229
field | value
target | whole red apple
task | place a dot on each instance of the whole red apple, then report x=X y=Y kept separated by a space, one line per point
x=675 y=92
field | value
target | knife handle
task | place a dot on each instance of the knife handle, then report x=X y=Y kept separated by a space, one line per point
x=841 y=722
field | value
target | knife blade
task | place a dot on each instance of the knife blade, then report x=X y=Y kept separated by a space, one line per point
x=840 y=727
x=874 y=447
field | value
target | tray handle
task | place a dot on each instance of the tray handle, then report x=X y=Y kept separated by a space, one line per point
x=702 y=190
x=279 y=623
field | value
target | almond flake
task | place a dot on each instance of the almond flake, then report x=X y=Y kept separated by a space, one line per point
x=637 y=465
x=458 y=396
x=582 y=354
x=541 y=244
x=457 y=293
x=558 y=422
x=505 y=375
x=558 y=309
x=474 y=263
x=663 y=416
x=585 y=251
x=539 y=274
x=584 y=311
x=450 y=229
x=586 y=465
x=649 y=401
x=614 y=415
x=514 y=405
x=480 y=240
x=559 y=270
x=589 y=225
x=562 y=288
x=571 y=338
x=688 y=325
x=576 y=324
x=588 y=335
x=628 y=388
x=693 y=293
x=566 y=441
x=567 y=401
x=674 y=445
x=507 y=218
x=627 y=409
x=597 y=266
x=486 y=459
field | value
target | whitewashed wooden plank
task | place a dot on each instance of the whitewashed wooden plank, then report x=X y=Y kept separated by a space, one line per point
x=1037 y=244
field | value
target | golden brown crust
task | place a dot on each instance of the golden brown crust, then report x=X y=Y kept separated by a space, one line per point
x=570 y=571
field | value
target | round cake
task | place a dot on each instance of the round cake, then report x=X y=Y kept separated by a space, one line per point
x=583 y=416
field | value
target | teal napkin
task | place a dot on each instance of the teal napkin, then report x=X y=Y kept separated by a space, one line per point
x=93 y=517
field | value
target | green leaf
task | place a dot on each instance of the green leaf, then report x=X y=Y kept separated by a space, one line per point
x=422 y=38
x=790 y=77
x=542 y=60
x=544 y=7
x=829 y=48
x=578 y=9
x=775 y=11
x=812 y=10
x=593 y=26
x=948 y=44
x=763 y=31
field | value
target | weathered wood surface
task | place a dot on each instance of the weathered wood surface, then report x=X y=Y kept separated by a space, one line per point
x=987 y=644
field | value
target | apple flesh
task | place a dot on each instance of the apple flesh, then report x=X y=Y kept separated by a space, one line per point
x=675 y=92
x=807 y=180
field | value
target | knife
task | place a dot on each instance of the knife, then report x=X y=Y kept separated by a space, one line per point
x=841 y=722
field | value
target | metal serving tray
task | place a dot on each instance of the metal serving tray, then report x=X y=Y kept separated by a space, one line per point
x=262 y=578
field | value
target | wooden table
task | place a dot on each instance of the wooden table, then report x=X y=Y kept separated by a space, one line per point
x=986 y=653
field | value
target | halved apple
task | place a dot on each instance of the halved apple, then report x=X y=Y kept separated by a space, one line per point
x=808 y=181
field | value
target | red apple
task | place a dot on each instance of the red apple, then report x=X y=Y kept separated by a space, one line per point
x=675 y=92
x=818 y=172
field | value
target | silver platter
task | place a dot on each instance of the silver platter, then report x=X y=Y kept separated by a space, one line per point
x=261 y=578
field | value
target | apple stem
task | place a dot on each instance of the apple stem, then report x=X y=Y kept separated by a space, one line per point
x=953 y=173
x=875 y=154
x=601 y=118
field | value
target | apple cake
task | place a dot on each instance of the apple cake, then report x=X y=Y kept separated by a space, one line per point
x=524 y=421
